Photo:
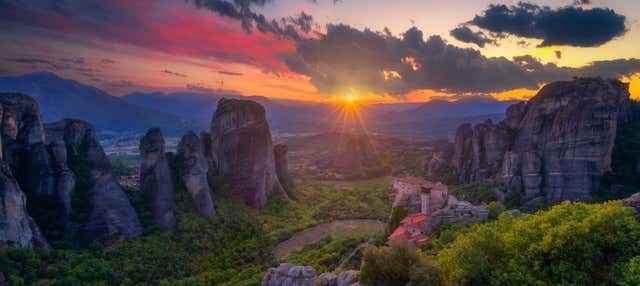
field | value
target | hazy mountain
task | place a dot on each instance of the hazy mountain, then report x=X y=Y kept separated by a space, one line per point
x=283 y=115
x=470 y=106
x=61 y=98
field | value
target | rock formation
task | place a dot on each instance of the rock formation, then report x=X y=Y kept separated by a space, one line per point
x=156 y=182
x=282 y=165
x=290 y=275
x=192 y=169
x=241 y=140
x=634 y=202
x=45 y=183
x=456 y=212
x=103 y=209
x=17 y=229
x=556 y=146
x=438 y=167
x=287 y=274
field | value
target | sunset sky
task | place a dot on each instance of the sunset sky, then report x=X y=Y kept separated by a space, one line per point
x=376 y=50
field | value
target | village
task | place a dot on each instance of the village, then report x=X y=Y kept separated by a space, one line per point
x=428 y=205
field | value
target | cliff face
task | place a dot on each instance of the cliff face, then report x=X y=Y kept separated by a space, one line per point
x=242 y=144
x=192 y=169
x=103 y=209
x=282 y=165
x=557 y=145
x=156 y=182
x=66 y=179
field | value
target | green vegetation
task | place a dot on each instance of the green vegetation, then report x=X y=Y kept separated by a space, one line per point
x=569 y=244
x=316 y=202
x=397 y=215
x=325 y=255
x=623 y=180
x=398 y=264
x=235 y=247
x=475 y=193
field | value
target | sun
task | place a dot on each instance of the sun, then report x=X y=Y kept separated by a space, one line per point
x=350 y=98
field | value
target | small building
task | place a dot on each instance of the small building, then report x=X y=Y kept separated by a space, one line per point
x=411 y=229
x=416 y=194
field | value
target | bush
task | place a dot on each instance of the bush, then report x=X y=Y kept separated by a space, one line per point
x=398 y=264
x=570 y=244
x=495 y=209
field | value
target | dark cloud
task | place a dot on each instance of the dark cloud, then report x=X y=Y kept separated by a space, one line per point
x=558 y=54
x=243 y=10
x=571 y=25
x=173 y=73
x=346 y=58
x=107 y=61
x=464 y=34
x=77 y=65
x=231 y=73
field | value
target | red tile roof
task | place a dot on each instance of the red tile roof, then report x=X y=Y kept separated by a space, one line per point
x=401 y=233
x=416 y=220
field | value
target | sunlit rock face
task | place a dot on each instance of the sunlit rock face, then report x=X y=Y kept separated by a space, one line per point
x=192 y=169
x=156 y=182
x=557 y=145
x=103 y=209
x=244 y=151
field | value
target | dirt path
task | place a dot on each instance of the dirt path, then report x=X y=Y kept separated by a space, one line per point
x=335 y=229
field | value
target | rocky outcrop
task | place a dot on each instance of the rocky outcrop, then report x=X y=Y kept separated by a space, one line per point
x=241 y=140
x=438 y=166
x=634 y=202
x=17 y=229
x=102 y=209
x=347 y=277
x=287 y=274
x=192 y=169
x=557 y=145
x=456 y=212
x=282 y=165
x=45 y=180
x=290 y=275
x=156 y=184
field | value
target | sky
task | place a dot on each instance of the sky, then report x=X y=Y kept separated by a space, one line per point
x=374 y=50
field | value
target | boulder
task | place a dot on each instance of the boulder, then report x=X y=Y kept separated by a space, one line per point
x=103 y=209
x=282 y=165
x=347 y=277
x=243 y=148
x=327 y=279
x=192 y=169
x=17 y=229
x=289 y=275
x=156 y=183
x=558 y=144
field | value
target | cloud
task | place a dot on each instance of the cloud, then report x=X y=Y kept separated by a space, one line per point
x=347 y=58
x=173 y=73
x=464 y=34
x=231 y=73
x=107 y=61
x=570 y=25
x=558 y=54
x=243 y=10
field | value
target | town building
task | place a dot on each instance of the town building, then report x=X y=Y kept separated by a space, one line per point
x=411 y=229
x=416 y=194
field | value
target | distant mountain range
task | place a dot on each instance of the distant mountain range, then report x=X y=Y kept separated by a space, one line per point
x=60 y=98
x=178 y=112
